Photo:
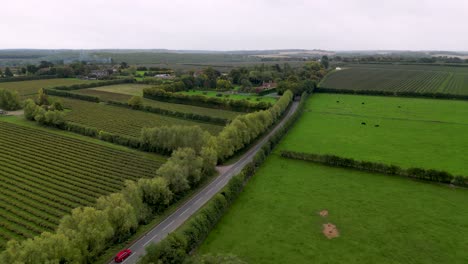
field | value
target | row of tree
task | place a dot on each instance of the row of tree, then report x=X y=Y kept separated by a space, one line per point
x=415 y=173
x=84 y=234
x=244 y=129
x=391 y=93
x=176 y=247
x=43 y=111
x=204 y=101
x=9 y=100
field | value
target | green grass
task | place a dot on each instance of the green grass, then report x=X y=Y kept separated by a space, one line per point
x=46 y=174
x=381 y=219
x=29 y=88
x=250 y=97
x=410 y=78
x=120 y=97
x=128 y=88
x=413 y=132
x=121 y=120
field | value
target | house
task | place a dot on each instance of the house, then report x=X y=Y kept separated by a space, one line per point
x=338 y=68
x=98 y=74
x=3 y=112
x=268 y=85
x=164 y=76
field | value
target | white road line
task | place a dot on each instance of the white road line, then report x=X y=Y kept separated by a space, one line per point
x=198 y=200
x=151 y=240
x=168 y=225
x=184 y=211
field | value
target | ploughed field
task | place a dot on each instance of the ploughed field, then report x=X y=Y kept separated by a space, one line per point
x=407 y=132
x=400 y=78
x=378 y=218
x=44 y=175
x=110 y=93
x=30 y=88
x=123 y=121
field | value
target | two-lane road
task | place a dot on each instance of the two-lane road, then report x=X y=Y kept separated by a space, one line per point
x=176 y=219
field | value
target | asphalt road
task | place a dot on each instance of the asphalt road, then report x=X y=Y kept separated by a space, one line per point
x=176 y=219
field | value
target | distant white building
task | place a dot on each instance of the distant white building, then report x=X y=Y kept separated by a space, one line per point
x=338 y=68
x=164 y=76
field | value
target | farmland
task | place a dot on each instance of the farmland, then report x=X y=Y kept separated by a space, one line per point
x=400 y=78
x=128 y=88
x=105 y=95
x=29 y=88
x=121 y=120
x=412 y=132
x=46 y=174
x=250 y=97
x=380 y=219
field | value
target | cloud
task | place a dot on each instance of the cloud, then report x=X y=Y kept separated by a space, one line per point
x=231 y=25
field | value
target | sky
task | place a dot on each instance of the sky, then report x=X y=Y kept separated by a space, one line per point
x=235 y=25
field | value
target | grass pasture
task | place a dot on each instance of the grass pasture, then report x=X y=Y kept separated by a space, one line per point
x=380 y=218
x=425 y=133
x=400 y=78
x=30 y=88
x=250 y=97
x=44 y=175
x=120 y=97
x=121 y=120
x=127 y=88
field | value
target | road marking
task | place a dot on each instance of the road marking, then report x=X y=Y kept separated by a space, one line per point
x=151 y=240
x=168 y=225
x=184 y=211
x=219 y=183
x=198 y=200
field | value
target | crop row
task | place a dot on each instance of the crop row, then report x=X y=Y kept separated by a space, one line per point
x=121 y=120
x=113 y=96
x=399 y=79
x=44 y=176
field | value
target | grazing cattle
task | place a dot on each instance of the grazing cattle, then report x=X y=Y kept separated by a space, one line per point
x=337 y=101
x=377 y=125
x=362 y=103
x=363 y=123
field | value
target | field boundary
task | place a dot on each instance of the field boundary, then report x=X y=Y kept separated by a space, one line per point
x=394 y=94
x=413 y=173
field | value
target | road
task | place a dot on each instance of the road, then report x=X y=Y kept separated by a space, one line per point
x=176 y=219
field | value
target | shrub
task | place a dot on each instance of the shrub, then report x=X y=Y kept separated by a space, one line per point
x=9 y=100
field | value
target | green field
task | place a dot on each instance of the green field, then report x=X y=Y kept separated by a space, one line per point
x=121 y=120
x=120 y=97
x=127 y=88
x=412 y=132
x=250 y=97
x=29 y=88
x=400 y=78
x=44 y=175
x=381 y=219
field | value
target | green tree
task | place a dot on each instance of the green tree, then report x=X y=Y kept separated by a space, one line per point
x=89 y=231
x=134 y=195
x=156 y=192
x=30 y=109
x=124 y=65
x=1 y=73
x=32 y=69
x=223 y=85
x=120 y=213
x=136 y=102
x=42 y=98
x=9 y=100
x=8 y=72
x=325 y=61
x=171 y=250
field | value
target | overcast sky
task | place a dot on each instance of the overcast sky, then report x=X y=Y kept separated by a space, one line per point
x=236 y=24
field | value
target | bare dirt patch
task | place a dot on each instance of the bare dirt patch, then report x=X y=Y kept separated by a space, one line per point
x=323 y=213
x=330 y=231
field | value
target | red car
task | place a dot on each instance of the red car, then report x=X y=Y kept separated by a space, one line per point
x=122 y=255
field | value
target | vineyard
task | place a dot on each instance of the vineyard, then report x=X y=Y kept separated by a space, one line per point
x=45 y=175
x=400 y=78
x=120 y=97
x=29 y=88
x=121 y=120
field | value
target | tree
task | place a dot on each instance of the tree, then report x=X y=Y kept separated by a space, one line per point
x=324 y=61
x=120 y=213
x=57 y=105
x=8 y=72
x=9 y=100
x=136 y=102
x=42 y=98
x=156 y=192
x=30 y=109
x=88 y=229
x=134 y=195
x=223 y=85
x=171 y=250
x=45 y=64
x=124 y=65
x=32 y=69
x=1 y=73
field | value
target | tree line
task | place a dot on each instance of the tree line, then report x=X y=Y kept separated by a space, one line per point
x=415 y=173
x=156 y=93
x=84 y=234
x=391 y=93
x=177 y=247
